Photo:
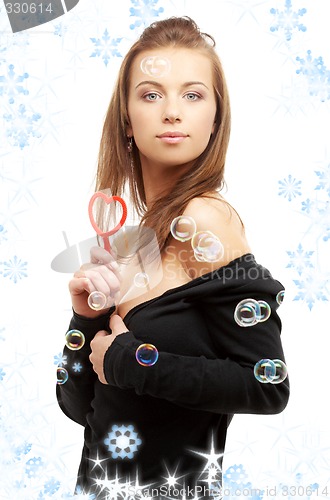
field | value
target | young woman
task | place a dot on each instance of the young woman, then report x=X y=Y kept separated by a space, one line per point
x=165 y=139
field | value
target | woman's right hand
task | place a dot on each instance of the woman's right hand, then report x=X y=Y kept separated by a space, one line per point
x=102 y=275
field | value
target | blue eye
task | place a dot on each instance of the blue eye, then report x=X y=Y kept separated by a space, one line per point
x=152 y=96
x=191 y=96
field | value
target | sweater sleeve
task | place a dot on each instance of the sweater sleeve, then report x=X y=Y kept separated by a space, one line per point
x=226 y=384
x=75 y=395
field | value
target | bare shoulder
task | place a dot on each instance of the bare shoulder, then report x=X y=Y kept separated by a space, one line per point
x=227 y=241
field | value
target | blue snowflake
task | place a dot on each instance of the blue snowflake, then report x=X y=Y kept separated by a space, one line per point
x=21 y=126
x=82 y=494
x=289 y=188
x=60 y=359
x=235 y=474
x=106 y=47
x=10 y=85
x=1 y=332
x=235 y=480
x=51 y=486
x=300 y=260
x=324 y=220
x=324 y=179
x=307 y=206
x=15 y=269
x=288 y=20
x=24 y=449
x=77 y=367
x=317 y=75
x=60 y=29
x=122 y=441
x=310 y=289
x=2 y=374
x=145 y=11
x=33 y=466
x=3 y=233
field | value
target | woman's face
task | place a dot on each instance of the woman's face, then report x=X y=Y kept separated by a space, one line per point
x=171 y=106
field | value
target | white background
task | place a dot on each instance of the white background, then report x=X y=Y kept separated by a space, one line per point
x=279 y=130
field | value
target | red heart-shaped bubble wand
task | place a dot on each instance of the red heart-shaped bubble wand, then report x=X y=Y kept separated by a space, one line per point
x=107 y=200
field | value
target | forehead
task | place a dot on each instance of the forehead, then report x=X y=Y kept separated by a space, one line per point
x=172 y=64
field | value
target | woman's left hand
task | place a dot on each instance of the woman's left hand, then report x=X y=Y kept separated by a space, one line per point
x=102 y=341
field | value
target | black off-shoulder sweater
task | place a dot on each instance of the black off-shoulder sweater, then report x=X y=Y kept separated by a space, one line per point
x=152 y=421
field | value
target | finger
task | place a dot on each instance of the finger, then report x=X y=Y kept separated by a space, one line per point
x=100 y=256
x=101 y=333
x=103 y=280
x=80 y=284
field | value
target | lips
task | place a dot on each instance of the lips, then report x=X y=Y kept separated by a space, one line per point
x=172 y=137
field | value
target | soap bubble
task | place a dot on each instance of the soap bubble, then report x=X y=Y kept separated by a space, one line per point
x=281 y=372
x=146 y=354
x=74 y=340
x=97 y=300
x=197 y=237
x=141 y=280
x=199 y=256
x=183 y=228
x=207 y=246
x=247 y=312
x=265 y=371
x=265 y=311
x=280 y=297
x=155 y=66
x=62 y=375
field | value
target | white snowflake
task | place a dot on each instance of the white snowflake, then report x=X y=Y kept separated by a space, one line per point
x=10 y=84
x=122 y=441
x=287 y=20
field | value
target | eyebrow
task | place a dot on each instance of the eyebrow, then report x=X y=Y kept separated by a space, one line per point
x=157 y=84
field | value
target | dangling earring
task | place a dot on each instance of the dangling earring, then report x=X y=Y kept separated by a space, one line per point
x=130 y=144
x=130 y=149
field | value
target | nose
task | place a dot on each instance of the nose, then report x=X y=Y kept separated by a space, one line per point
x=172 y=113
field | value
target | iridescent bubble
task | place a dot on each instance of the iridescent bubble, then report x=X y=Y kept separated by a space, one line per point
x=62 y=375
x=197 y=237
x=265 y=371
x=208 y=245
x=146 y=354
x=183 y=228
x=74 y=340
x=155 y=66
x=199 y=256
x=247 y=312
x=141 y=280
x=97 y=300
x=265 y=311
x=280 y=297
x=281 y=372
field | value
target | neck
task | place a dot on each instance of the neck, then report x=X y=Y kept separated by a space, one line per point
x=159 y=179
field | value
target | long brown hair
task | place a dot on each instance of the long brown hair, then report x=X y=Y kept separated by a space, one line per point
x=114 y=165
